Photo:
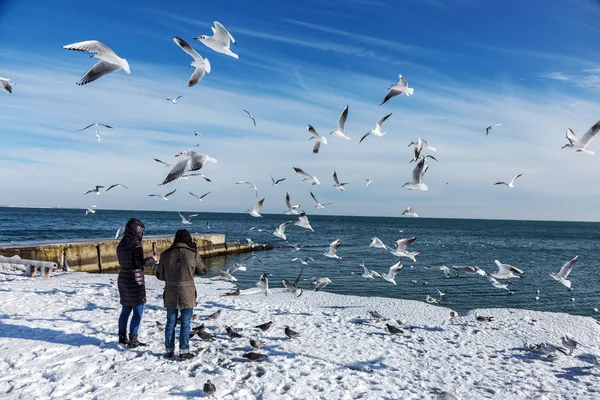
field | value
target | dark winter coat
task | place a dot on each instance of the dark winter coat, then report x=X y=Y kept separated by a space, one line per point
x=177 y=267
x=132 y=288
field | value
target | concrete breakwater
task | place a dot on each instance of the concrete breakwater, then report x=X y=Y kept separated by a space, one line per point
x=99 y=256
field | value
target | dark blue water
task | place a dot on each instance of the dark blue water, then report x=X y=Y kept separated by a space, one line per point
x=536 y=247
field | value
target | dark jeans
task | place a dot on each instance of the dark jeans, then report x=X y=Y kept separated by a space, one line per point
x=184 y=330
x=135 y=320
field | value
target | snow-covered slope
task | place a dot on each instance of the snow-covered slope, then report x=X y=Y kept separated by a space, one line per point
x=58 y=340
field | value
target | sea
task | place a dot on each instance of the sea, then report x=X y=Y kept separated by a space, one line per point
x=536 y=247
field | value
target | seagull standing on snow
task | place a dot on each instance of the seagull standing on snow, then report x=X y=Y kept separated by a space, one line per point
x=174 y=101
x=318 y=138
x=187 y=221
x=219 y=41
x=308 y=177
x=250 y=116
x=165 y=197
x=489 y=128
x=391 y=275
x=569 y=343
x=109 y=61
x=377 y=130
x=319 y=205
x=202 y=65
x=291 y=209
x=201 y=197
x=280 y=231
x=341 y=125
x=252 y=186
x=338 y=185
x=581 y=145
x=303 y=221
x=410 y=212
x=561 y=276
x=510 y=184
x=418 y=173
x=397 y=89
x=332 y=250
x=506 y=271
x=191 y=161
x=7 y=87
x=256 y=209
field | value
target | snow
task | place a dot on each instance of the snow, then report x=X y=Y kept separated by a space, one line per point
x=58 y=339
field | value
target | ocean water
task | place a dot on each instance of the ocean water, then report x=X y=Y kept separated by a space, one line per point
x=537 y=247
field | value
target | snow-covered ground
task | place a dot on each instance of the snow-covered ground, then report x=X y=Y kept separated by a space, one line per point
x=58 y=339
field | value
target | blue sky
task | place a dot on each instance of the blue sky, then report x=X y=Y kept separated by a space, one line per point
x=536 y=69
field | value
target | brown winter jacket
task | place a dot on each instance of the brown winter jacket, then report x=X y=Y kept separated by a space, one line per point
x=176 y=267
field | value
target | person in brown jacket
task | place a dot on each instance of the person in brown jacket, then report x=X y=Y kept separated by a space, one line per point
x=177 y=267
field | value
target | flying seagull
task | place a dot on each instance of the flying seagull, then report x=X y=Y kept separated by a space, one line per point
x=116 y=185
x=219 y=41
x=469 y=270
x=119 y=231
x=398 y=89
x=165 y=197
x=561 y=276
x=319 y=205
x=280 y=231
x=91 y=210
x=227 y=275
x=303 y=221
x=418 y=173
x=318 y=138
x=188 y=220
x=506 y=271
x=331 y=253
x=377 y=243
x=377 y=130
x=369 y=181
x=303 y=262
x=191 y=160
x=391 y=275
x=174 y=101
x=196 y=133
x=510 y=184
x=293 y=287
x=202 y=65
x=338 y=185
x=95 y=124
x=276 y=182
x=250 y=116
x=263 y=283
x=442 y=268
x=109 y=61
x=319 y=283
x=581 y=145
x=489 y=128
x=96 y=190
x=6 y=86
x=256 y=209
x=495 y=283
x=368 y=273
x=401 y=249
x=340 y=132
x=201 y=197
x=410 y=212
x=308 y=177
x=422 y=144
x=291 y=209
x=252 y=186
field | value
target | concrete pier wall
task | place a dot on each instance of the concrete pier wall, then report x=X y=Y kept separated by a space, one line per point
x=102 y=255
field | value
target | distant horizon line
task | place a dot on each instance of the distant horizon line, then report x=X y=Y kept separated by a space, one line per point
x=312 y=215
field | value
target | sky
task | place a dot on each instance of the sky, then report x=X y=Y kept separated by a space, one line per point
x=533 y=66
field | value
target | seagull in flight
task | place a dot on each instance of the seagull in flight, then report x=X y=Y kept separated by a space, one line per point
x=369 y=181
x=165 y=197
x=418 y=173
x=291 y=209
x=442 y=268
x=187 y=221
x=293 y=287
x=377 y=130
x=202 y=65
x=263 y=283
x=96 y=125
x=116 y=185
x=91 y=210
x=303 y=221
x=319 y=205
x=201 y=197
x=162 y=162
x=6 y=86
x=174 y=101
x=377 y=243
x=280 y=231
x=497 y=284
x=511 y=183
x=368 y=273
x=561 y=276
x=120 y=230
x=581 y=145
x=109 y=60
x=250 y=116
x=506 y=271
x=398 y=89
x=338 y=185
x=470 y=270
x=256 y=209
x=319 y=282
x=96 y=190
x=318 y=138
x=276 y=182
x=341 y=125
x=303 y=262
x=308 y=177
x=400 y=250
x=191 y=160
x=489 y=128
x=332 y=250
x=196 y=133
x=422 y=144
x=227 y=275
x=252 y=186
x=391 y=275
x=410 y=212
x=219 y=41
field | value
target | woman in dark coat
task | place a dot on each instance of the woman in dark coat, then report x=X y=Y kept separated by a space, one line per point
x=132 y=288
x=177 y=267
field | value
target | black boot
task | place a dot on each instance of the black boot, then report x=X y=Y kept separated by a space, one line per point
x=133 y=342
x=123 y=338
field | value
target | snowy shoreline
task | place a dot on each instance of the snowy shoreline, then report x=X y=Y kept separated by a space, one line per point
x=58 y=340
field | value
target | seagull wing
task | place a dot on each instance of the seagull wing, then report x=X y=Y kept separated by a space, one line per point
x=335 y=178
x=313 y=131
x=394 y=269
x=300 y=172
x=313 y=197
x=513 y=179
x=402 y=244
x=198 y=74
x=187 y=48
x=112 y=186
x=334 y=245
x=168 y=194
x=364 y=136
x=280 y=180
x=589 y=135
x=100 y=69
x=283 y=226
x=83 y=129
x=182 y=218
x=177 y=171
x=382 y=120
x=288 y=202
x=258 y=205
x=402 y=81
x=419 y=171
x=91 y=46
x=194 y=195
x=566 y=269
x=221 y=34
x=162 y=162
x=571 y=136
x=298 y=279
x=341 y=124
x=501 y=183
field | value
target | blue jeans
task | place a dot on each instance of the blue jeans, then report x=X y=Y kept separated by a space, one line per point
x=184 y=330
x=135 y=320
